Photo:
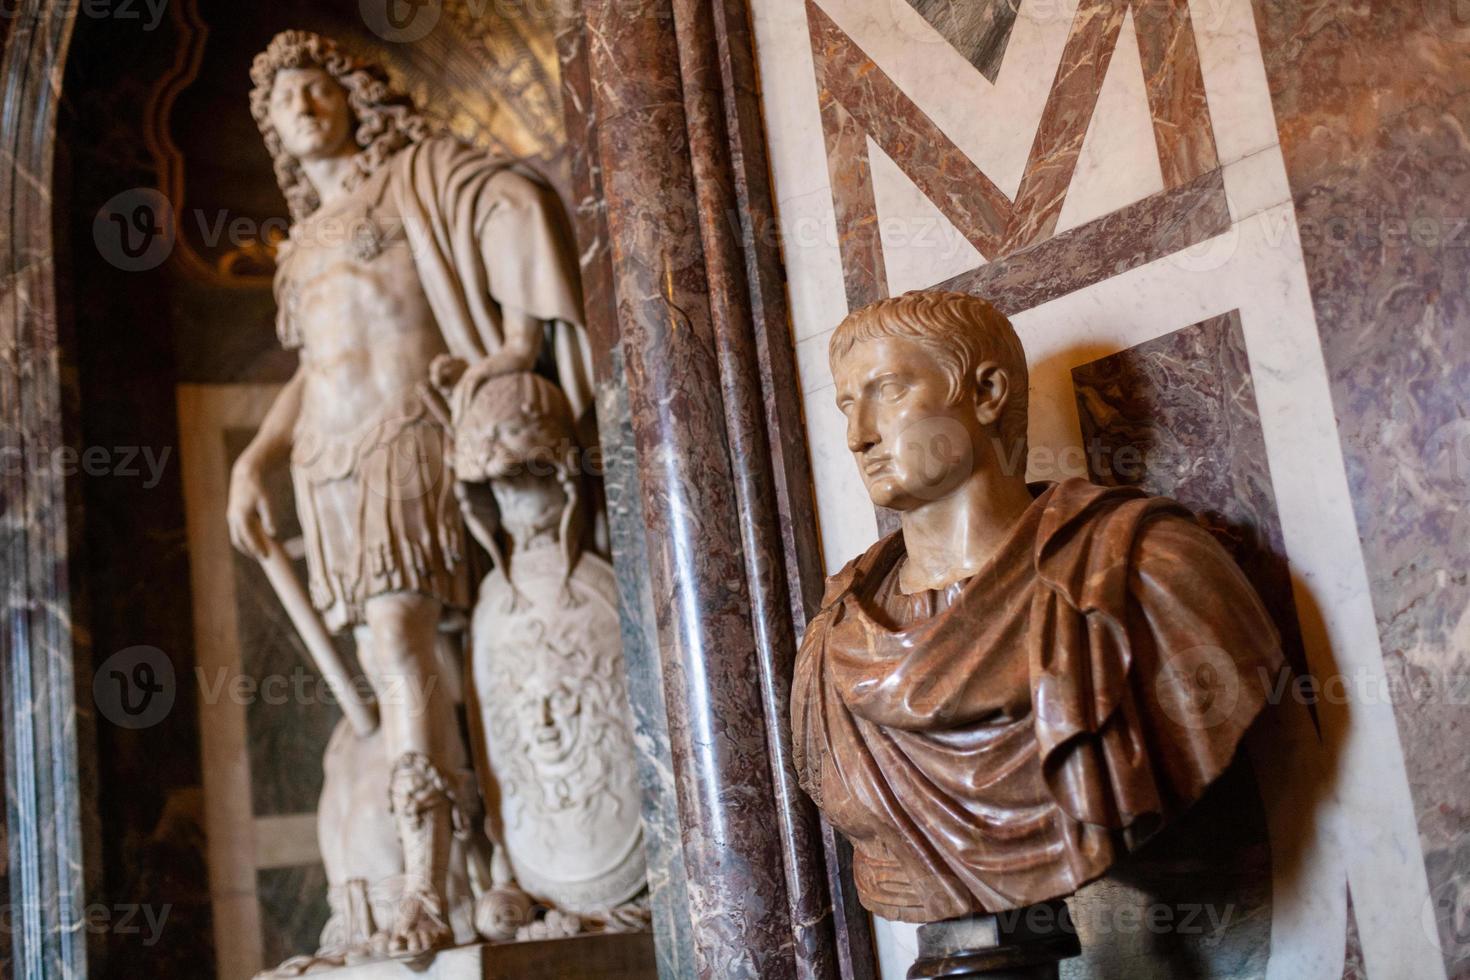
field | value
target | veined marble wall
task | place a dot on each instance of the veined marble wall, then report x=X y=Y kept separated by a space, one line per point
x=1157 y=192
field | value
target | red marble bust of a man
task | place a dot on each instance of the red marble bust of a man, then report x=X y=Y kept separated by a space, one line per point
x=1024 y=681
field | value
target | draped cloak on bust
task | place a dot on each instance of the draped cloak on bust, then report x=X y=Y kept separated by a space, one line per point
x=1001 y=741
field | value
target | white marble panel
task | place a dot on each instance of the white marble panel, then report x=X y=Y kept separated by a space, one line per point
x=811 y=361
x=921 y=246
x=1119 y=160
x=1256 y=182
x=206 y=413
x=1235 y=77
x=783 y=50
x=898 y=947
x=848 y=524
x=798 y=154
x=813 y=262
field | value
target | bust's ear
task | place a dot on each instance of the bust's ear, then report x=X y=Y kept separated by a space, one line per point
x=992 y=389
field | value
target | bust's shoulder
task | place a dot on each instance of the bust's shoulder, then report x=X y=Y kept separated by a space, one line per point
x=1156 y=539
x=859 y=568
x=1173 y=542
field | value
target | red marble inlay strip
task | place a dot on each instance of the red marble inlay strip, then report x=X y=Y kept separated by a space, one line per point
x=976 y=207
x=863 y=271
x=1176 y=89
x=1151 y=229
x=858 y=99
x=1069 y=109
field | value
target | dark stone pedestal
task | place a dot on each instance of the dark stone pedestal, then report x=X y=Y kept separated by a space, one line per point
x=1022 y=944
x=620 y=956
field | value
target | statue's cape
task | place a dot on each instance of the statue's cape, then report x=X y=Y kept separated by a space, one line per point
x=487 y=234
x=999 y=742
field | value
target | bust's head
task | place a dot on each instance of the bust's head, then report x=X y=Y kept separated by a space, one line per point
x=933 y=385
x=312 y=99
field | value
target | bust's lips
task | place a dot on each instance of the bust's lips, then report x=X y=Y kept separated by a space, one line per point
x=875 y=465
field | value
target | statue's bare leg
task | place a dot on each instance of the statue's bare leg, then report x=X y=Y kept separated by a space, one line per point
x=412 y=696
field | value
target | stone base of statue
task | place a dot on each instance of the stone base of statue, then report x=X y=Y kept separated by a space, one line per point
x=608 y=956
x=1023 y=944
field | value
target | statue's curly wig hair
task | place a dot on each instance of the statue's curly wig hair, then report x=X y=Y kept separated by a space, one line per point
x=384 y=121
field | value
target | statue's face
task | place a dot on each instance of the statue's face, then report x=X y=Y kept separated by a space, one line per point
x=309 y=110
x=911 y=444
x=551 y=716
x=485 y=451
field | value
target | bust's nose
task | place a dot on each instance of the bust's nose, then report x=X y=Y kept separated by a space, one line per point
x=862 y=435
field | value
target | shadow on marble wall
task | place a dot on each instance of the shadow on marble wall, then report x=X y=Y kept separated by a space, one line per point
x=1177 y=416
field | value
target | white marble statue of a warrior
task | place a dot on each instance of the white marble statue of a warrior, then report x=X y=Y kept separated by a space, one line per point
x=404 y=246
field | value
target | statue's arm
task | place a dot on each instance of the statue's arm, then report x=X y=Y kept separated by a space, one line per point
x=523 y=337
x=521 y=255
x=272 y=443
x=248 y=510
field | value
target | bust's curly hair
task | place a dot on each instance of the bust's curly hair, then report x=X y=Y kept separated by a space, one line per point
x=384 y=121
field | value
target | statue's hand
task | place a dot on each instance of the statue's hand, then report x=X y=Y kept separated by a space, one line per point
x=501 y=362
x=251 y=522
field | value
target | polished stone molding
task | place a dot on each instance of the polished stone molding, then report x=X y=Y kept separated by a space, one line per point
x=667 y=881
x=725 y=481
x=43 y=731
x=741 y=923
x=718 y=79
